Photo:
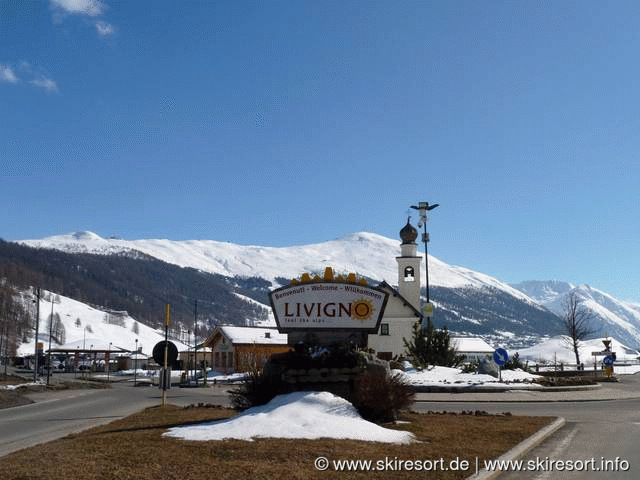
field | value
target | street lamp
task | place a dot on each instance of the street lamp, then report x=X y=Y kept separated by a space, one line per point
x=50 y=335
x=135 y=366
x=35 y=365
x=108 y=359
x=423 y=208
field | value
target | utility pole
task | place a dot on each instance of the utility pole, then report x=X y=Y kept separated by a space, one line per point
x=167 y=321
x=35 y=365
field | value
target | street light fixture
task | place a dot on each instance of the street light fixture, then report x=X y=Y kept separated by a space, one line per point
x=423 y=208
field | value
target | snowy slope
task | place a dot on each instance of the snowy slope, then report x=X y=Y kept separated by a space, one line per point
x=86 y=326
x=367 y=254
x=614 y=317
x=466 y=301
x=556 y=350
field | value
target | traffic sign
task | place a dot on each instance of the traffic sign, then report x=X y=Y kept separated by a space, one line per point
x=609 y=360
x=500 y=356
x=158 y=353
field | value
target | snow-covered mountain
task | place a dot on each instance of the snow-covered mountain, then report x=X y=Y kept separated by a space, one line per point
x=466 y=301
x=614 y=317
x=368 y=254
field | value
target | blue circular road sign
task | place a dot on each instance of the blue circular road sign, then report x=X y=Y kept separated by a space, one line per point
x=500 y=356
x=609 y=360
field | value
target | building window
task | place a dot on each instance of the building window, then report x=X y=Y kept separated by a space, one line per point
x=217 y=359
x=230 y=360
x=409 y=274
x=384 y=329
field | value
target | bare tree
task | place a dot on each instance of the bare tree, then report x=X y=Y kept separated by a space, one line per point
x=577 y=323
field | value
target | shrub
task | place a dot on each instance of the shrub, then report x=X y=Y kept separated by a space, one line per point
x=514 y=363
x=380 y=396
x=259 y=388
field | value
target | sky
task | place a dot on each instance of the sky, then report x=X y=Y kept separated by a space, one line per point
x=289 y=122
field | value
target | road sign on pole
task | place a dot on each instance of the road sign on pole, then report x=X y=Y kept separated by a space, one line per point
x=500 y=356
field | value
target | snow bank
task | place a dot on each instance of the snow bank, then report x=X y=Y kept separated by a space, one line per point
x=310 y=415
x=439 y=376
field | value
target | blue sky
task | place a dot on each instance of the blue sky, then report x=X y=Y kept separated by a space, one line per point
x=280 y=123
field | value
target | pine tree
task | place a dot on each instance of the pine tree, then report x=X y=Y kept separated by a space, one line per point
x=432 y=346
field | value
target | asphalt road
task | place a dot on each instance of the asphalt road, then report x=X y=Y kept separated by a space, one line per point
x=59 y=413
x=606 y=431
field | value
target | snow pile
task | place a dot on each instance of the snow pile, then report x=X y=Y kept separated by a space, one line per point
x=309 y=415
x=21 y=385
x=441 y=376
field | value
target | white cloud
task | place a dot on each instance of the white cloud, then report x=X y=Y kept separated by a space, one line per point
x=104 y=29
x=92 y=8
x=89 y=8
x=45 y=83
x=7 y=74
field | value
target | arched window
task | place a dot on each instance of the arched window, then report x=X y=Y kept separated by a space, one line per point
x=409 y=274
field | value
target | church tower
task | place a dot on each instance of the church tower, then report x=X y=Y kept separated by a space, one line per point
x=409 y=266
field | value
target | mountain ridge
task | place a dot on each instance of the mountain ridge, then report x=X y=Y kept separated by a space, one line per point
x=466 y=301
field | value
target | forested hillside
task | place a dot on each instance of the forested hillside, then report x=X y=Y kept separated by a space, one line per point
x=138 y=284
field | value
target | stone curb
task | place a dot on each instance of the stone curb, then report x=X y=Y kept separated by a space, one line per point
x=521 y=449
x=498 y=389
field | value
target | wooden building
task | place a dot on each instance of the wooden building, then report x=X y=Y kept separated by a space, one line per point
x=238 y=349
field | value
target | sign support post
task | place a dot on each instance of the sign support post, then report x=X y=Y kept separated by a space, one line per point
x=500 y=356
x=167 y=321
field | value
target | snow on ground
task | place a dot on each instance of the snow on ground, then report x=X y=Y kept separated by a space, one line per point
x=86 y=327
x=308 y=415
x=444 y=376
x=20 y=385
x=556 y=350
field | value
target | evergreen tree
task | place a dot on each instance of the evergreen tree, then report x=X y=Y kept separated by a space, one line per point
x=432 y=346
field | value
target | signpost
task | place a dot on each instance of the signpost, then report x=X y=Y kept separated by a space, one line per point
x=330 y=310
x=163 y=358
x=500 y=356
x=608 y=361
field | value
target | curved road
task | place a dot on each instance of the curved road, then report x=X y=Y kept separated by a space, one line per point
x=59 y=413
x=606 y=431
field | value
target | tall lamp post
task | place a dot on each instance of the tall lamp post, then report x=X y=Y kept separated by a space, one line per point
x=135 y=368
x=107 y=361
x=423 y=208
x=50 y=335
x=35 y=365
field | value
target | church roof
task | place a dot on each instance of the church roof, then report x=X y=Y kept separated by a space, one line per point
x=394 y=291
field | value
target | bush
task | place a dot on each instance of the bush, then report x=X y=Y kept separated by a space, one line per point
x=260 y=387
x=514 y=363
x=380 y=396
x=471 y=367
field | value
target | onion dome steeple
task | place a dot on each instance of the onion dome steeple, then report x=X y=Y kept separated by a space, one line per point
x=408 y=234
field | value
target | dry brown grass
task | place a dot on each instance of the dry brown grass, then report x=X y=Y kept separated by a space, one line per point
x=133 y=448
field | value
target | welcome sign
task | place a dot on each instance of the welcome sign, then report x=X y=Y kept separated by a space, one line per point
x=328 y=306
